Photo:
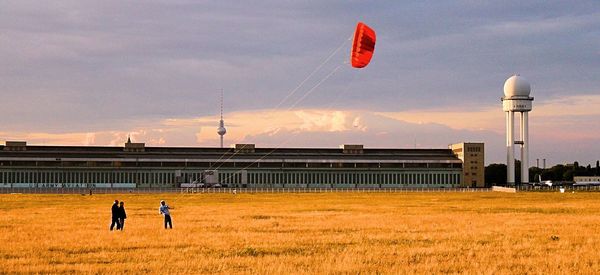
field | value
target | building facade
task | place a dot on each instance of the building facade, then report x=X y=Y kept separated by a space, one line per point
x=135 y=165
x=473 y=157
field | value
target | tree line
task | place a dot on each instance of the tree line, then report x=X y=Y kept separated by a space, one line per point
x=495 y=173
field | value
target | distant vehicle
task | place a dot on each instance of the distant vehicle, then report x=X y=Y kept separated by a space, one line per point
x=546 y=183
x=192 y=185
x=211 y=178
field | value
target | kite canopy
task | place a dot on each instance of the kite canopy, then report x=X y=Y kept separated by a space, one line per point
x=363 y=46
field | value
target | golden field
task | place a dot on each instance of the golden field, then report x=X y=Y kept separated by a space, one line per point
x=477 y=233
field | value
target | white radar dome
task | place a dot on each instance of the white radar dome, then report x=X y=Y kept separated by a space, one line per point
x=518 y=86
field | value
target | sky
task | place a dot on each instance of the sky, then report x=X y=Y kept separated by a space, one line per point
x=94 y=72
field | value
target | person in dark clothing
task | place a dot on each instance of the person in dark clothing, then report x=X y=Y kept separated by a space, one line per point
x=122 y=216
x=115 y=215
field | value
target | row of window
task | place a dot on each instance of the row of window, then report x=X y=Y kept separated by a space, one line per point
x=225 y=177
x=338 y=178
x=158 y=178
x=473 y=149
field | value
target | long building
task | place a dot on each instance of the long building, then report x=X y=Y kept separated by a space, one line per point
x=244 y=165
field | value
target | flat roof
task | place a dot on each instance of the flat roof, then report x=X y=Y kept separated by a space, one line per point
x=117 y=153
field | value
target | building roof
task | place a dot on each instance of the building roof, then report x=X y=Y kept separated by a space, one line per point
x=115 y=153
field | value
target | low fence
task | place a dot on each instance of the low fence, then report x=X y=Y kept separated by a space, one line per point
x=589 y=188
x=229 y=190
x=157 y=190
x=504 y=189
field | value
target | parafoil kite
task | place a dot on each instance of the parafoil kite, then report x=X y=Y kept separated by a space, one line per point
x=363 y=46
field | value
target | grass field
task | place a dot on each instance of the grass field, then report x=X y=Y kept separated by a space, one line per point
x=304 y=233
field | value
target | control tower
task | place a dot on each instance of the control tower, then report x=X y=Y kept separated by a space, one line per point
x=516 y=99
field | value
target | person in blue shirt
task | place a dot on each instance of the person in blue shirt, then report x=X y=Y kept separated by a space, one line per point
x=164 y=210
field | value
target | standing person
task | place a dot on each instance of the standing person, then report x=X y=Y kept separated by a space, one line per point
x=115 y=215
x=164 y=210
x=122 y=216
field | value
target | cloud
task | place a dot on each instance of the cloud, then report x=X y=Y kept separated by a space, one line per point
x=270 y=128
x=528 y=26
x=91 y=72
x=551 y=129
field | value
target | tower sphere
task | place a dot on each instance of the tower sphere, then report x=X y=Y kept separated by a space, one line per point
x=221 y=131
x=518 y=86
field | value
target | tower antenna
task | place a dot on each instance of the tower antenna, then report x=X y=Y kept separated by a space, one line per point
x=221 y=131
x=221 y=103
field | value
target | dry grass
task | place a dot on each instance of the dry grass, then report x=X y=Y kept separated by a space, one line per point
x=304 y=233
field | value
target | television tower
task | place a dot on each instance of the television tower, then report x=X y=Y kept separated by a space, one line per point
x=516 y=99
x=221 y=130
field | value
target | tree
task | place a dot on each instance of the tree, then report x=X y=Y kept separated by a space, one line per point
x=534 y=173
x=517 y=171
x=555 y=173
x=568 y=175
x=495 y=174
